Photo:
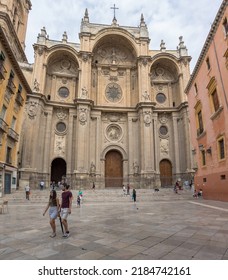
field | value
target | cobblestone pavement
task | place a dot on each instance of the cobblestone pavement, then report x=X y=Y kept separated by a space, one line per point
x=108 y=225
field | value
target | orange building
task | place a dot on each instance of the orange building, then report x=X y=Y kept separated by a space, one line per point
x=207 y=93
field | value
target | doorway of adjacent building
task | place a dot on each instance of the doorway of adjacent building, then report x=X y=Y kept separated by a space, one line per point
x=58 y=170
x=7 y=183
x=113 y=169
x=166 y=173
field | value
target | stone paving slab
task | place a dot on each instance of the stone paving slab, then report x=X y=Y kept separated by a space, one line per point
x=166 y=229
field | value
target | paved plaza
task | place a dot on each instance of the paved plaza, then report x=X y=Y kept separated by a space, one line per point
x=108 y=225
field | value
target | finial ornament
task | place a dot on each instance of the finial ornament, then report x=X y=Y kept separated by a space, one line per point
x=114 y=8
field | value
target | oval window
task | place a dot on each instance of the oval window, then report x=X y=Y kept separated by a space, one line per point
x=60 y=126
x=160 y=97
x=163 y=130
x=63 y=92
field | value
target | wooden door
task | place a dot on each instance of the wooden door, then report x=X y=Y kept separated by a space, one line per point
x=166 y=173
x=113 y=169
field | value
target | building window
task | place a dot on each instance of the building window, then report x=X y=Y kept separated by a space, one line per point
x=13 y=123
x=213 y=95
x=203 y=156
x=196 y=88
x=163 y=130
x=199 y=118
x=226 y=58
x=9 y=155
x=208 y=63
x=223 y=177
x=61 y=127
x=225 y=26
x=19 y=98
x=204 y=180
x=215 y=100
x=200 y=123
x=221 y=148
x=3 y=112
x=160 y=97
x=63 y=92
x=2 y=68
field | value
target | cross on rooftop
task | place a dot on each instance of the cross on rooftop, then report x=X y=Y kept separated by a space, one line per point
x=114 y=8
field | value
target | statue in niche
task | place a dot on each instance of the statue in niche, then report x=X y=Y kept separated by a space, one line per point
x=84 y=93
x=136 y=167
x=146 y=96
x=36 y=86
x=92 y=168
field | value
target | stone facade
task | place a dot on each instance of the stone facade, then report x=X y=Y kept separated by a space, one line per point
x=107 y=110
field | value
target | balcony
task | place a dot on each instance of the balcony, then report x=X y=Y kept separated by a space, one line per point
x=13 y=134
x=3 y=125
x=19 y=99
x=2 y=72
x=11 y=87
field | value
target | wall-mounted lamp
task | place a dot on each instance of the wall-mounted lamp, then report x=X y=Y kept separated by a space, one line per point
x=209 y=150
x=201 y=147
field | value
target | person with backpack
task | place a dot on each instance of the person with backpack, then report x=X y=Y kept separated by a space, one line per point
x=53 y=206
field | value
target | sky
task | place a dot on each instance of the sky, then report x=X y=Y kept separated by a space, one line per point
x=165 y=19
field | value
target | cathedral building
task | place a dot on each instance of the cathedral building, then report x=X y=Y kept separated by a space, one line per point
x=107 y=110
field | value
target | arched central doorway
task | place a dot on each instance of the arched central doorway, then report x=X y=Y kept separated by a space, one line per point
x=166 y=173
x=113 y=169
x=58 y=169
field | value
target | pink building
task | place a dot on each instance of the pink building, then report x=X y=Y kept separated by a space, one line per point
x=207 y=93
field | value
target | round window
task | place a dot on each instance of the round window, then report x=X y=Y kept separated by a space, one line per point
x=63 y=92
x=61 y=127
x=160 y=97
x=163 y=130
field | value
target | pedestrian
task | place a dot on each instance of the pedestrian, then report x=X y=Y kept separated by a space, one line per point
x=78 y=201
x=128 y=189
x=27 y=191
x=93 y=187
x=53 y=206
x=80 y=194
x=134 y=195
x=124 y=190
x=41 y=185
x=66 y=204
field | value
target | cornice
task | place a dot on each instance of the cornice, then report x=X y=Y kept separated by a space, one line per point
x=14 y=60
x=207 y=43
x=5 y=18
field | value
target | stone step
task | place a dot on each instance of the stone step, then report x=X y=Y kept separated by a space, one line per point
x=104 y=195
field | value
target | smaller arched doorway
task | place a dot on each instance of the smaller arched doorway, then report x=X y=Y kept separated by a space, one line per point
x=58 y=169
x=166 y=173
x=113 y=169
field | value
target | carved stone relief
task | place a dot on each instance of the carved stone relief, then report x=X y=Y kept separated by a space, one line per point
x=147 y=118
x=60 y=143
x=83 y=116
x=161 y=74
x=32 y=109
x=113 y=132
x=164 y=146
x=61 y=113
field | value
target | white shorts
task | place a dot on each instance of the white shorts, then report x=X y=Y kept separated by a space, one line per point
x=64 y=213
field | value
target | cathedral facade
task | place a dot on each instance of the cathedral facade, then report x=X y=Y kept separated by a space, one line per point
x=107 y=110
